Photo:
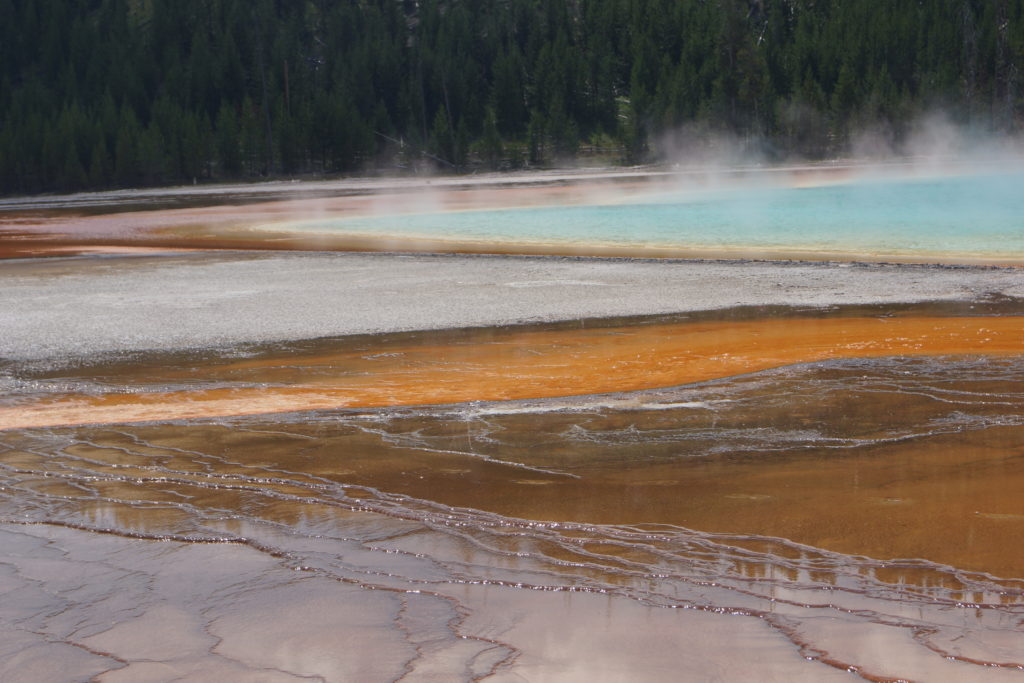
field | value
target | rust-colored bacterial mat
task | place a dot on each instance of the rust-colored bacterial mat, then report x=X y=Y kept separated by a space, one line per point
x=493 y=365
x=795 y=494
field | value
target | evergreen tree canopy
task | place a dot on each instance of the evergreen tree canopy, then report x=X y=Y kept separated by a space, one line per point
x=103 y=93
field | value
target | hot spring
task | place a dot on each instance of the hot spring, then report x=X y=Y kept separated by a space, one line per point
x=248 y=465
x=975 y=217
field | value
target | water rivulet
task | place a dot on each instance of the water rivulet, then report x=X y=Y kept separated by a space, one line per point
x=804 y=520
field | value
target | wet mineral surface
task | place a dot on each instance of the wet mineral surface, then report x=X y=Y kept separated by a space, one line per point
x=240 y=466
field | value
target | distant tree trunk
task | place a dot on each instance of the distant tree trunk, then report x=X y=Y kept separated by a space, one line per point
x=266 y=100
x=969 y=64
x=1003 y=92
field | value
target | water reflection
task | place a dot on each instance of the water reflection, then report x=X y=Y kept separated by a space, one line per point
x=860 y=512
x=861 y=457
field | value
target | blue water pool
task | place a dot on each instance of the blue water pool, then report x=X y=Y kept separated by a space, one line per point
x=979 y=216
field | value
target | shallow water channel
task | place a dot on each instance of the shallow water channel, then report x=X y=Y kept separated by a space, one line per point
x=764 y=493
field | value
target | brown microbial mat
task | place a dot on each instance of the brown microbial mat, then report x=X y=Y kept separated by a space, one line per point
x=755 y=494
x=491 y=364
x=238 y=217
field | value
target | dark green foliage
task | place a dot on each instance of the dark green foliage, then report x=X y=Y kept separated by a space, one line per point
x=103 y=93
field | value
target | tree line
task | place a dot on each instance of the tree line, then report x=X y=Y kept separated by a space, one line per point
x=118 y=93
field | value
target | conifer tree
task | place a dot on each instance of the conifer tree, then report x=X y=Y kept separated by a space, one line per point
x=111 y=92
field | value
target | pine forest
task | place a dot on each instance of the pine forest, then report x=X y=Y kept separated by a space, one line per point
x=119 y=93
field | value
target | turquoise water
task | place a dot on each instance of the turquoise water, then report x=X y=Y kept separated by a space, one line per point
x=976 y=215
